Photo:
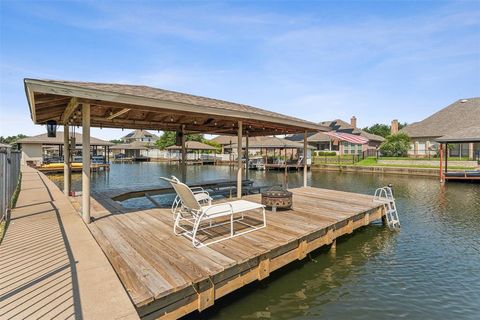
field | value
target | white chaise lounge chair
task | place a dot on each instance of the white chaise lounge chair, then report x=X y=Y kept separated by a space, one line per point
x=203 y=218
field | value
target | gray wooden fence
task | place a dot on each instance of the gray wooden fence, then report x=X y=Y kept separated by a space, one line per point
x=9 y=176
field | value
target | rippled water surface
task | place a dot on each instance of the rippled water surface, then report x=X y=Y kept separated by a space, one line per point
x=428 y=270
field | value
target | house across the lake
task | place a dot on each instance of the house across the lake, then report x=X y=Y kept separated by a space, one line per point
x=451 y=120
x=141 y=136
x=344 y=138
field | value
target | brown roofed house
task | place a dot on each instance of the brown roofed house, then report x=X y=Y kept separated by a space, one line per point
x=322 y=141
x=460 y=119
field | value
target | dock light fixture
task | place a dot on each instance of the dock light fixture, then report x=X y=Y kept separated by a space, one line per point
x=51 y=128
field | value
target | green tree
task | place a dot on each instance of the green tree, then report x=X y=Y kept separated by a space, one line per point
x=167 y=139
x=396 y=145
x=381 y=129
x=11 y=139
x=214 y=144
x=116 y=141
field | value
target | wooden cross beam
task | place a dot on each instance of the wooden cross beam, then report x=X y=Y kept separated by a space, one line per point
x=69 y=110
x=118 y=113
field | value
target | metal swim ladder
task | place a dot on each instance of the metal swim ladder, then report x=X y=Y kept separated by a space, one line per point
x=385 y=195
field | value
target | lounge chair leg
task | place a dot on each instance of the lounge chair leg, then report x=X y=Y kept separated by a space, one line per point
x=194 y=233
x=264 y=217
x=177 y=221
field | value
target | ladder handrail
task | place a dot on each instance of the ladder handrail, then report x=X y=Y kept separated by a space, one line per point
x=385 y=195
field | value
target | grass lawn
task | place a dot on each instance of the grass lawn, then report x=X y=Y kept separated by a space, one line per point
x=431 y=158
x=372 y=162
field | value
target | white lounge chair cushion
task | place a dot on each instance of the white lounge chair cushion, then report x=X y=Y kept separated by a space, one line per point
x=220 y=210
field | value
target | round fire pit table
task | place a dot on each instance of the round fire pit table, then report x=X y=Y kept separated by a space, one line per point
x=277 y=197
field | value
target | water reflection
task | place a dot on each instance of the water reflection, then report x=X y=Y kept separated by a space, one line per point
x=430 y=269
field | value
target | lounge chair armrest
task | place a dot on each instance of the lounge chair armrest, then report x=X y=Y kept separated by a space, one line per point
x=196 y=190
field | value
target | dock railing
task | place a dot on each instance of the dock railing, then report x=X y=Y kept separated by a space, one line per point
x=9 y=177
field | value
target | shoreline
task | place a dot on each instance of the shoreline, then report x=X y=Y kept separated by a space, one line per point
x=426 y=172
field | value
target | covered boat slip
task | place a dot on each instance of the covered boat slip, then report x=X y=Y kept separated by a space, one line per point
x=466 y=135
x=166 y=276
x=74 y=103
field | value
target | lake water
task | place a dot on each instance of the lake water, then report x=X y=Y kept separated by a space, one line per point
x=428 y=270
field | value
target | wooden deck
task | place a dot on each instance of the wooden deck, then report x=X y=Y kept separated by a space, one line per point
x=93 y=167
x=165 y=276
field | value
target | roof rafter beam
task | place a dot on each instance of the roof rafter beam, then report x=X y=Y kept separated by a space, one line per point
x=118 y=113
x=71 y=107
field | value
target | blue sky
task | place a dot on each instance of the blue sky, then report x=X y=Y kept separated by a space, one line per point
x=317 y=60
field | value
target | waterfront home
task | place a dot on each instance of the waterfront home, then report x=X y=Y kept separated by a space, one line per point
x=453 y=119
x=40 y=148
x=348 y=139
x=140 y=136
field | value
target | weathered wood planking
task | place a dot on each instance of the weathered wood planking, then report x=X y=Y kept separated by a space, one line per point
x=165 y=276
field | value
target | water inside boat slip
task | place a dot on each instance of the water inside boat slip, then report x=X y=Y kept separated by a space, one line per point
x=428 y=270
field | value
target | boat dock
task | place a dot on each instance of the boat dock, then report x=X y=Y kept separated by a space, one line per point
x=165 y=276
x=59 y=169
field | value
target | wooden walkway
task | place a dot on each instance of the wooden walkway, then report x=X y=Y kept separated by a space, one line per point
x=50 y=265
x=165 y=276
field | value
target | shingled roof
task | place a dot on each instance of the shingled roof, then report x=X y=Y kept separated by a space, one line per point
x=273 y=142
x=143 y=107
x=138 y=134
x=44 y=139
x=470 y=134
x=135 y=145
x=339 y=126
x=461 y=114
x=227 y=140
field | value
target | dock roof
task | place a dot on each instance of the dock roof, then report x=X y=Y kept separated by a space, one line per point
x=135 y=145
x=273 y=143
x=143 y=107
x=44 y=139
x=470 y=134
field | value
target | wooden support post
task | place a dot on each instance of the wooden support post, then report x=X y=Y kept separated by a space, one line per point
x=285 y=178
x=246 y=157
x=263 y=269
x=441 y=163
x=333 y=247
x=305 y=165
x=446 y=159
x=366 y=219
x=350 y=226
x=184 y=156
x=471 y=151
x=239 y=160
x=66 y=161
x=86 y=162
x=302 y=249
x=206 y=298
